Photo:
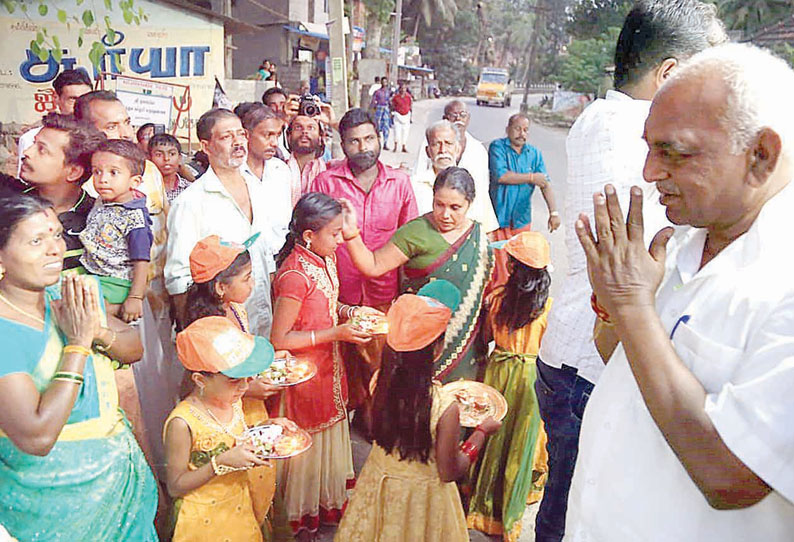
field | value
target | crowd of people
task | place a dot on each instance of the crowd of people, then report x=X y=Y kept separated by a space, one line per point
x=142 y=296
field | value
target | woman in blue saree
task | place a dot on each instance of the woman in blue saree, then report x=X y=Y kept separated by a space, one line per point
x=70 y=468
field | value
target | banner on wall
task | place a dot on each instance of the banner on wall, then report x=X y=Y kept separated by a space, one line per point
x=174 y=46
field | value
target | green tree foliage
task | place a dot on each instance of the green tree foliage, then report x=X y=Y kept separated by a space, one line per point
x=583 y=68
x=750 y=16
x=47 y=42
x=590 y=19
x=449 y=50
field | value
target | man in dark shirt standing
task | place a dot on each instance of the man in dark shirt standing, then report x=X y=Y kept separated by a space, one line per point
x=55 y=168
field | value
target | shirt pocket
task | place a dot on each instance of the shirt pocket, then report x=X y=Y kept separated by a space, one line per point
x=712 y=363
x=383 y=216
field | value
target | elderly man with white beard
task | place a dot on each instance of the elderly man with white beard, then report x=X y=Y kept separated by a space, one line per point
x=444 y=147
x=225 y=203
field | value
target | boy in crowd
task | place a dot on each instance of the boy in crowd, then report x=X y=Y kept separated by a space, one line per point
x=118 y=237
x=166 y=153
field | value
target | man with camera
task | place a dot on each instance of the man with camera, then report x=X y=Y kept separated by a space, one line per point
x=306 y=143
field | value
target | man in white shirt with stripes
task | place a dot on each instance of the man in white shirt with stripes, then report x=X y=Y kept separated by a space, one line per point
x=605 y=145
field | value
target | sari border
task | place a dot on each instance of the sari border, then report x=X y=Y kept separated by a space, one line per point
x=458 y=329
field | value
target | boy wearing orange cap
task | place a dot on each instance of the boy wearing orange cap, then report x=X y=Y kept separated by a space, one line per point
x=211 y=465
x=517 y=315
x=406 y=491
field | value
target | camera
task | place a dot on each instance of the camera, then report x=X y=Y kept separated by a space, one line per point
x=309 y=105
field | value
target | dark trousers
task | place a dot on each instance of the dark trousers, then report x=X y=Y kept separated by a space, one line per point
x=562 y=396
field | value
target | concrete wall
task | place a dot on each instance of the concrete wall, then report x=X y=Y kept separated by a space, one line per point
x=273 y=42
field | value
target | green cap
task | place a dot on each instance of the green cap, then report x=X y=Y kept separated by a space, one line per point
x=442 y=291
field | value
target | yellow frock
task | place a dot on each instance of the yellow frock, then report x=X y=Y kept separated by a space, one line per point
x=221 y=510
x=404 y=501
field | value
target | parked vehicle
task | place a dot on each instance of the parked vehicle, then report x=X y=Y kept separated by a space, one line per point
x=495 y=86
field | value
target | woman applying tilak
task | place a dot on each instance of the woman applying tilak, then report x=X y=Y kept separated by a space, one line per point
x=443 y=244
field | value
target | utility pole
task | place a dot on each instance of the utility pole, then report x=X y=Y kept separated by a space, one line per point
x=228 y=47
x=395 y=44
x=338 y=64
x=540 y=10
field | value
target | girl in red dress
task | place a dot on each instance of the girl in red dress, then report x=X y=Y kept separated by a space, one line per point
x=306 y=322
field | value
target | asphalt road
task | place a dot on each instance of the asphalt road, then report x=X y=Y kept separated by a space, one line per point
x=488 y=123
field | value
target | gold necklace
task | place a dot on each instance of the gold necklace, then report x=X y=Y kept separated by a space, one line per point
x=22 y=311
x=225 y=428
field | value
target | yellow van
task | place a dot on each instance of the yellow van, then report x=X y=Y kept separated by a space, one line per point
x=495 y=86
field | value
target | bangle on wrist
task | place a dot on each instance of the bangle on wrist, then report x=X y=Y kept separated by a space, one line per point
x=107 y=345
x=470 y=450
x=351 y=237
x=130 y=296
x=481 y=430
x=68 y=376
x=220 y=469
x=600 y=312
x=76 y=349
x=554 y=213
x=314 y=339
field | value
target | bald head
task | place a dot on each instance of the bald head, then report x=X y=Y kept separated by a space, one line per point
x=719 y=134
x=757 y=88
x=457 y=112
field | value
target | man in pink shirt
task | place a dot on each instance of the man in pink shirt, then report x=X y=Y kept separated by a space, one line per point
x=384 y=201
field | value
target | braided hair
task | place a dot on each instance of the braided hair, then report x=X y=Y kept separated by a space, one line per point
x=312 y=212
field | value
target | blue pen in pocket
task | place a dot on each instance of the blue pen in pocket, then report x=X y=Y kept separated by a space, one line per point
x=684 y=319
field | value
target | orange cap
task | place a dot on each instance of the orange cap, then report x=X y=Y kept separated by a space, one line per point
x=215 y=345
x=212 y=255
x=415 y=321
x=529 y=248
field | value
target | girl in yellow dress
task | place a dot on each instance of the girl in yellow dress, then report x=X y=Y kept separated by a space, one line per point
x=207 y=452
x=406 y=491
x=513 y=469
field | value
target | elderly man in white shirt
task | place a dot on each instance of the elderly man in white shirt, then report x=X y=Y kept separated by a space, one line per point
x=443 y=149
x=688 y=434
x=222 y=202
x=472 y=156
x=263 y=166
x=605 y=145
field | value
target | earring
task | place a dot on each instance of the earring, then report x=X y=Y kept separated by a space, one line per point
x=308 y=244
x=2 y=273
x=201 y=391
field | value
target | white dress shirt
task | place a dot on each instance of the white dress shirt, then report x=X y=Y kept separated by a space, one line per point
x=475 y=161
x=26 y=141
x=276 y=184
x=604 y=146
x=732 y=325
x=206 y=208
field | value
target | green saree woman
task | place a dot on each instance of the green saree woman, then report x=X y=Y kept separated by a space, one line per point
x=443 y=244
x=467 y=264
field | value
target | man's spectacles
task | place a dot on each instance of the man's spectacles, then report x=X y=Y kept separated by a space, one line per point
x=457 y=115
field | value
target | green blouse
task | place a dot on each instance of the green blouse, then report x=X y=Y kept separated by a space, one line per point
x=420 y=242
